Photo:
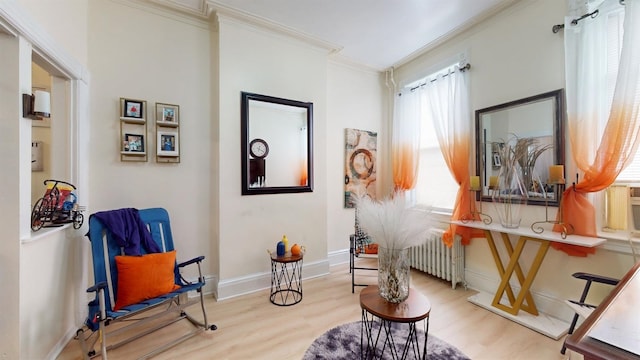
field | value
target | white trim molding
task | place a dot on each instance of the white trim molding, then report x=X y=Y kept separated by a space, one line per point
x=234 y=287
x=226 y=13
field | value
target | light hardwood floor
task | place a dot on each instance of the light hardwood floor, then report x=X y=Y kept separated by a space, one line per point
x=250 y=327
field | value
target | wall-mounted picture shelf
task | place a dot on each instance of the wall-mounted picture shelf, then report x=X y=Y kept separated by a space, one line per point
x=133 y=130
x=167 y=133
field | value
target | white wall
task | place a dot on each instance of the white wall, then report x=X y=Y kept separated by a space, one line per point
x=164 y=57
x=516 y=55
x=262 y=62
x=356 y=99
x=40 y=309
x=152 y=55
x=10 y=179
x=65 y=21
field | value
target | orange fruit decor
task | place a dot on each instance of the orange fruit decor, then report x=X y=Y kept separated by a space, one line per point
x=296 y=249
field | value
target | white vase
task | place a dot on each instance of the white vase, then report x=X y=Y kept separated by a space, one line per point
x=394 y=274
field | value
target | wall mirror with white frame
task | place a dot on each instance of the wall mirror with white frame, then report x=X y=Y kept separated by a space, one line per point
x=540 y=118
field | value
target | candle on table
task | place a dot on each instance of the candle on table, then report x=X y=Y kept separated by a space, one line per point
x=493 y=182
x=556 y=174
x=475 y=183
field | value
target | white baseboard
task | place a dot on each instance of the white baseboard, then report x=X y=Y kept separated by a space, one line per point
x=544 y=302
x=543 y=323
x=338 y=257
x=230 y=288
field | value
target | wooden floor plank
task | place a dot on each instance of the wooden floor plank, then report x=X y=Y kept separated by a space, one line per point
x=250 y=327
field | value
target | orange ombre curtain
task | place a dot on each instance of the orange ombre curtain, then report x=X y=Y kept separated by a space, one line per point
x=447 y=104
x=405 y=142
x=585 y=55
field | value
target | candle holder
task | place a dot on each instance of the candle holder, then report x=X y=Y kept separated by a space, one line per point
x=471 y=216
x=567 y=229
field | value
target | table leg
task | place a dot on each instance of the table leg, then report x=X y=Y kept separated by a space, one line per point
x=368 y=329
x=500 y=267
x=525 y=282
x=286 y=283
x=533 y=271
x=530 y=306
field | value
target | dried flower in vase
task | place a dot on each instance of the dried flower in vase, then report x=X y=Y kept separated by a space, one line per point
x=391 y=223
x=395 y=228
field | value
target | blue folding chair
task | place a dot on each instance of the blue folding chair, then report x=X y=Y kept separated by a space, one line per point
x=106 y=244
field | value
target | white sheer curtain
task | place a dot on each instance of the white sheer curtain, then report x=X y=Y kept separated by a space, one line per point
x=591 y=54
x=406 y=139
x=447 y=102
x=446 y=105
x=586 y=64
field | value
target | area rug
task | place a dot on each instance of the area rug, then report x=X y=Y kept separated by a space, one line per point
x=343 y=343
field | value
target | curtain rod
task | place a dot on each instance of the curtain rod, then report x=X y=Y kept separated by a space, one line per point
x=466 y=67
x=593 y=14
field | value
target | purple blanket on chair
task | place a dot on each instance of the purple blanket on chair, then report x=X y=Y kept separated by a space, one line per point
x=128 y=230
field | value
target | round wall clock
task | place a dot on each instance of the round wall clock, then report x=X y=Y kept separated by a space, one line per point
x=258 y=148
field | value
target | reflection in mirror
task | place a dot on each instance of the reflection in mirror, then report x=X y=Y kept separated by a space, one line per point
x=537 y=120
x=276 y=145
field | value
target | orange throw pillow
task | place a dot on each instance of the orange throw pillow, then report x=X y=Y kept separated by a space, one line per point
x=144 y=277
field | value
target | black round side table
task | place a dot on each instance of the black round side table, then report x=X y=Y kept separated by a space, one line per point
x=286 y=279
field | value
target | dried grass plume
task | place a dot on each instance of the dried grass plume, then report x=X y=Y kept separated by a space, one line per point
x=391 y=223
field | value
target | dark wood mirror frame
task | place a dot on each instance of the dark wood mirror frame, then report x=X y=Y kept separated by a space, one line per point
x=555 y=129
x=249 y=164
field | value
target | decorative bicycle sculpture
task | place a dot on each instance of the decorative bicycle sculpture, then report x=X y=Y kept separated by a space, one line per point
x=57 y=207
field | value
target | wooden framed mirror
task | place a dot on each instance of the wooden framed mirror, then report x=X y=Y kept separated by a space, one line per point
x=277 y=145
x=540 y=117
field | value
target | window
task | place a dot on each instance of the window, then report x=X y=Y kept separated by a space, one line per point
x=435 y=185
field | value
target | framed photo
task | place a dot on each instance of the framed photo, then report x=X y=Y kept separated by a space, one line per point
x=133 y=143
x=167 y=114
x=133 y=109
x=168 y=143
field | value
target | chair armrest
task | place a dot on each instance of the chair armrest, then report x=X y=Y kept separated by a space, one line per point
x=99 y=286
x=189 y=262
x=596 y=278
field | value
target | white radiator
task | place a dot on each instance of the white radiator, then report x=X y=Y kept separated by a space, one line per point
x=435 y=258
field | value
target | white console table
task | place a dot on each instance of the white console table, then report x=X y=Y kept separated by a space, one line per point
x=523 y=300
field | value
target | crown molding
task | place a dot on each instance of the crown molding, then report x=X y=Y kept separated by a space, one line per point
x=200 y=12
x=355 y=65
x=223 y=11
x=168 y=9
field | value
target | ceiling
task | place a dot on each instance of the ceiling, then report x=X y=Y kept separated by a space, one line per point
x=375 y=33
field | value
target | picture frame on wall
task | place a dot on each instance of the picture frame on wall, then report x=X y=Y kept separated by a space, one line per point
x=133 y=109
x=167 y=114
x=133 y=143
x=168 y=143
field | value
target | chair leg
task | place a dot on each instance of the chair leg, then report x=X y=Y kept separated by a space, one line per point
x=571 y=328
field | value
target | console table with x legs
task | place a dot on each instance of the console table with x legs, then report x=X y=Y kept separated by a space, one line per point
x=521 y=306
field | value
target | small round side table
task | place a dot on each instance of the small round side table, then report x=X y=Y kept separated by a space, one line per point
x=379 y=316
x=286 y=279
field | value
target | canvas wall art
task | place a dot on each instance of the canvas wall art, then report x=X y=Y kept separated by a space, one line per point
x=361 y=147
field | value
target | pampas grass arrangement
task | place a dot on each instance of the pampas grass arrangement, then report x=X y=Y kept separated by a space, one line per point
x=395 y=228
x=391 y=223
